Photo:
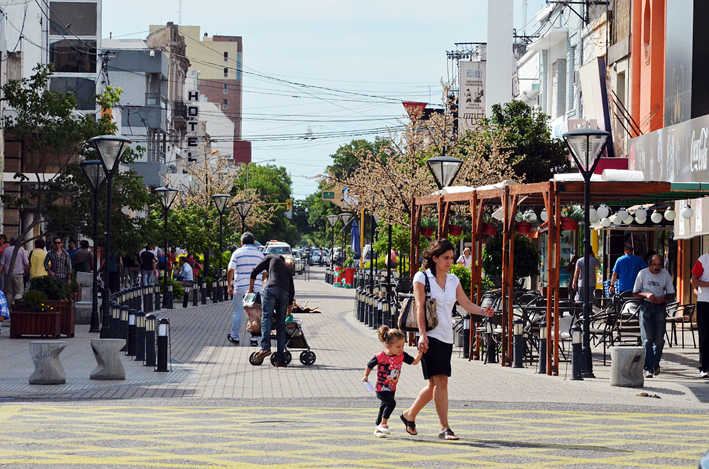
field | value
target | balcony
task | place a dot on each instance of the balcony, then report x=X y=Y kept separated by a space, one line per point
x=152 y=100
x=179 y=110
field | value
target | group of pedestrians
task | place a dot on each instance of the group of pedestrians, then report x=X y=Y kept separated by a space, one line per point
x=247 y=270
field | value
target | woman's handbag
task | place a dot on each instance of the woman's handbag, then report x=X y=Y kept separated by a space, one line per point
x=408 y=319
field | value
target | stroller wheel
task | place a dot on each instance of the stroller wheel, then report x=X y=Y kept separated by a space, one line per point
x=307 y=357
x=288 y=355
x=251 y=358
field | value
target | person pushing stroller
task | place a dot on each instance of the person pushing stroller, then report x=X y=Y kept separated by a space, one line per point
x=277 y=303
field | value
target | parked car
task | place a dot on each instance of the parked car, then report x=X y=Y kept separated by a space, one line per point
x=300 y=260
x=282 y=249
x=316 y=258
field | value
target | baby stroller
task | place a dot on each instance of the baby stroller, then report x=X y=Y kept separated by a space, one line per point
x=295 y=339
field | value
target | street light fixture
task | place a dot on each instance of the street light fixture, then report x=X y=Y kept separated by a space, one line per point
x=586 y=146
x=243 y=207
x=96 y=175
x=111 y=149
x=220 y=200
x=167 y=197
x=444 y=169
x=332 y=220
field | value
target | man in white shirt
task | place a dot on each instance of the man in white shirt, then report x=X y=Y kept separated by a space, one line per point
x=654 y=286
x=242 y=262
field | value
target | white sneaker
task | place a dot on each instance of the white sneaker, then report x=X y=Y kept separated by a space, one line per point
x=379 y=434
x=383 y=429
x=704 y=374
x=648 y=374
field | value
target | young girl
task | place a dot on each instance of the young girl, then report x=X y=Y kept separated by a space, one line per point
x=388 y=364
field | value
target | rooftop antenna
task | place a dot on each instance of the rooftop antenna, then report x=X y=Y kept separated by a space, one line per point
x=524 y=17
x=179 y=12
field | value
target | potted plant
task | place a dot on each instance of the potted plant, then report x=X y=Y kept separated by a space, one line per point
x=59 y=298
x=456 y=225
x=428 y=226
x=571 y=215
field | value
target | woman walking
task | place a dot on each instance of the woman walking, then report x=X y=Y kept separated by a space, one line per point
x=437 y=344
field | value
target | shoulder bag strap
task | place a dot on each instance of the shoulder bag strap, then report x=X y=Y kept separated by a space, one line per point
x=428 y=286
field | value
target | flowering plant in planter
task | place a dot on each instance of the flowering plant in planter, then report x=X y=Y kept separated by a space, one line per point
x=52 y=288
x=36 y=302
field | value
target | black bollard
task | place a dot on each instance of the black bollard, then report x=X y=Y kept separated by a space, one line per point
x=140 y=336
x=186 y=297
x=195 y=293
x=491 y=344
x=203 y=291
x=168 y=298
x=131 y=333
x=466 y=336
x=156 y=301
x=378 y=312
x=576 y=353
x=148 y=298
x=214 y=293
x=150 y=340
x=542 y=367
x=518 y=345
x=123 y=328
x=115 y=321
x=163 y=344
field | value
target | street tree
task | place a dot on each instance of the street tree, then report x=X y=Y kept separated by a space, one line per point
x=528 y=136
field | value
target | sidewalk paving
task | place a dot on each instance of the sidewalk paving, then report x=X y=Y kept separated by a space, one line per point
x=206 y=365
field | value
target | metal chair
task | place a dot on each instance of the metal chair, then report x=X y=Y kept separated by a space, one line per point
x=683 y=315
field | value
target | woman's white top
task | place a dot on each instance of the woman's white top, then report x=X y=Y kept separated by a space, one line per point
x=466 y=261
x=445 y=301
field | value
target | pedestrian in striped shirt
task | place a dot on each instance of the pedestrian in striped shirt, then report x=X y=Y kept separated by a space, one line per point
x=242 y=262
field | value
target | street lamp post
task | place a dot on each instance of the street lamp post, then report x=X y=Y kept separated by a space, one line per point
x=111 y=149
x=220 y=200
x=332 y=220
x=167 y=196
x=346 y=218
x=586 y=146
x=96 y=175
x=243 y=207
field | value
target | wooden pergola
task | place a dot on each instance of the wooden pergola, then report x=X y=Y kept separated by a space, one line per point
x=552 y=195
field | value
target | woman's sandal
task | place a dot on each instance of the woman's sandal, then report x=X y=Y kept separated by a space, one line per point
x=409 y=424
x=448 y=434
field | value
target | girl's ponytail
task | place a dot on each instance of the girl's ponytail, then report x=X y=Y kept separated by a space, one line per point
x=383 y=332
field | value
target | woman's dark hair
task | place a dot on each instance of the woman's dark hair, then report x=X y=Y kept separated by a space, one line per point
x=437 y=248
x=389 y=336
x=39 y=243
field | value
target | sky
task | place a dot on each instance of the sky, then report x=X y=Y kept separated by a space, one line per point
x=320 y=73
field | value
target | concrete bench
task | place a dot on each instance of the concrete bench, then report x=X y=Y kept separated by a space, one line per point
x=48 y=368
x=107 y=354
x=627 y=366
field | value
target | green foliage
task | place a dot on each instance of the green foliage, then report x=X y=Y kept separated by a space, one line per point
x=345 y=161
x=429 y=222
x=574 y=212
x=36 y=301
x=526 y=257
x=463 y=274
x=529 y=136
x=273 y=183
x=53 y=288
x=177 y=290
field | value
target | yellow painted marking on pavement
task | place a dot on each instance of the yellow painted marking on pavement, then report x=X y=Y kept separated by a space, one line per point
x=310 y=437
